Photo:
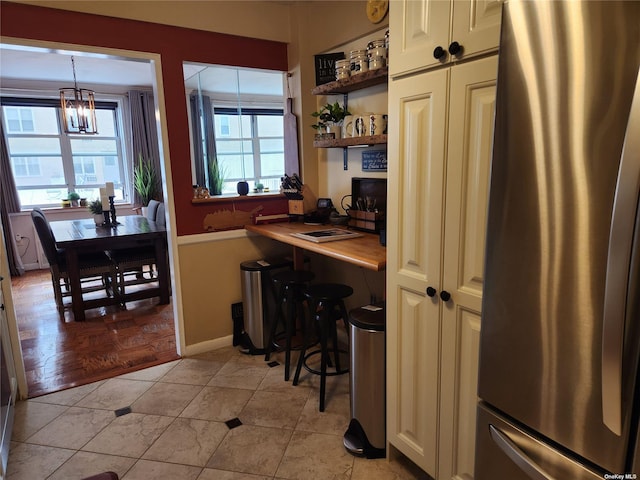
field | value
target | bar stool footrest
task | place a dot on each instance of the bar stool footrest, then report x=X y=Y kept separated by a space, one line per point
x=318 y=372
x=280 y=338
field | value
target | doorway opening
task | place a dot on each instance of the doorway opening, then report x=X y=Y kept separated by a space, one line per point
x=57 y=352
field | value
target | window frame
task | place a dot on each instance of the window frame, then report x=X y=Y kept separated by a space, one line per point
x=113 y=102
x=276 y=110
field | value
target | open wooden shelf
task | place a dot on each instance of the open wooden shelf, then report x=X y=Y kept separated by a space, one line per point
x=350 y=141
x=357 y=82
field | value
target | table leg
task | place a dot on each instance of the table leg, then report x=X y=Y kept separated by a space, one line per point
x=298 y=258
x=77 y=302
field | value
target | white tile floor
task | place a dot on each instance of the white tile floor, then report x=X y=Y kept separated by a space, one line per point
x=176 y=426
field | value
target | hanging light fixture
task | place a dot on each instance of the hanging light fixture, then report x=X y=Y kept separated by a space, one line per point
x=78 y=108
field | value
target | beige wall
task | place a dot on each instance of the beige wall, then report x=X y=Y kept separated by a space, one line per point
x=316 y=27
x=210 y=279
x=211 y=283
x=208 y=270
x=322 y=27
x=308 y=26
x=335 y=182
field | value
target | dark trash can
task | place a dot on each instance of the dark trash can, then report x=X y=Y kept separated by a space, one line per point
x=366 y=435
x=258 y=302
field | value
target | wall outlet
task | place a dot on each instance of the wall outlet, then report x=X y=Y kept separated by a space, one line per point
x=18 y=237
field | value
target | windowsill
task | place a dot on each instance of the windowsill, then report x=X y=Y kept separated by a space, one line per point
x=234 y=197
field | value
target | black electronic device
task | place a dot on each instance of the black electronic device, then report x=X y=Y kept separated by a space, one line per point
x=324 y=203
x=320 y=216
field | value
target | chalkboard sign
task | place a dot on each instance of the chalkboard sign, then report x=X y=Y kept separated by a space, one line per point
x=374 y=161
x=326 y=67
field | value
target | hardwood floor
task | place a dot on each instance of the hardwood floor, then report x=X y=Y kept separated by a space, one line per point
x=60 y=354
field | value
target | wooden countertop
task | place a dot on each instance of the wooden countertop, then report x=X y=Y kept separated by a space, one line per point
x=364 y=251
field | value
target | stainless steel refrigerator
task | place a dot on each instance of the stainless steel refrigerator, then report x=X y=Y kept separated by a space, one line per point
x=559 y=349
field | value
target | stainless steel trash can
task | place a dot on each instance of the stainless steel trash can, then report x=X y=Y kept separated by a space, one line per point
x=258 y=301
x=366 y=435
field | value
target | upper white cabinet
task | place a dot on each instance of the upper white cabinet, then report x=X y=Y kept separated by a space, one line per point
x=440 y=137
x=426 y=33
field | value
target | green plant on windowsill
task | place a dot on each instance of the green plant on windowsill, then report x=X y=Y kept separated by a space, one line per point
x=74 y=198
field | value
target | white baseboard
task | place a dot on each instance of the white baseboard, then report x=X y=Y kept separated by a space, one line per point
x=207 y=346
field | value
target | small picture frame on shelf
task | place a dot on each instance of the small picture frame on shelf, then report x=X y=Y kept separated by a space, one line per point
x=374 y=161
x=326 y=67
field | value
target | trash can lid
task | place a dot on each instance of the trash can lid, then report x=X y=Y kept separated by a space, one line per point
x=369 y=317
x=265 y=264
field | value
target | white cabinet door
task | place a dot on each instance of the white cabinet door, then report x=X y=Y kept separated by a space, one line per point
x=418 y=27
x=476 y=26
x=471 y=114
x=437 y=200
x=417 y=113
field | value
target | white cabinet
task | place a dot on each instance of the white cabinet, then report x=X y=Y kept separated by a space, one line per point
x=424 y=32
x=440 y=137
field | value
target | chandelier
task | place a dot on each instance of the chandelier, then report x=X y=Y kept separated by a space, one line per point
x=78 y=108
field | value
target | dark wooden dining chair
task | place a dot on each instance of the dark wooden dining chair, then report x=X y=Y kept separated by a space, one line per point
x=97 y=271
x=138 y=265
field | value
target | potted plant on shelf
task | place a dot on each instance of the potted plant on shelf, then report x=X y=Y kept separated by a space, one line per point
x=330 y=118
x=74 y=198
x=145 y=181
x=95 y=207
x=259 y=187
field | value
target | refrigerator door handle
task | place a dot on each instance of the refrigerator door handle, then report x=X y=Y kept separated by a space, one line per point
x=520 y=458
x=618 y=260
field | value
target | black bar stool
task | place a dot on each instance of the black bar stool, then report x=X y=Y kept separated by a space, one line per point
x=327 y=303
x=290 y=288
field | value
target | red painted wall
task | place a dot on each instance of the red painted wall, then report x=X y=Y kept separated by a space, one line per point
x=175 y=45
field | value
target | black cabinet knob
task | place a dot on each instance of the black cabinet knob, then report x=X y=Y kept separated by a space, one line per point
x=439 y=52
x=445 y=296
x=431 y=291
x=455 y=48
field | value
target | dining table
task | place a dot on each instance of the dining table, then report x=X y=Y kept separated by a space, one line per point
x=131 y=231
x=363 y=250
